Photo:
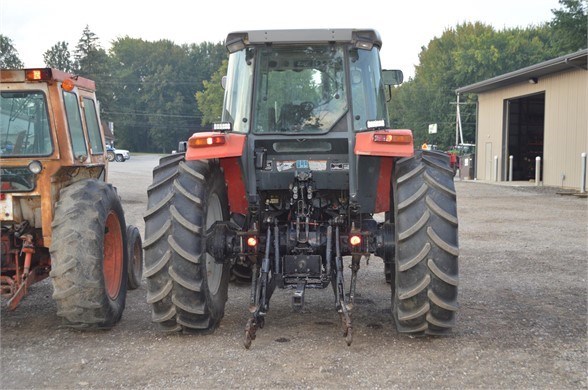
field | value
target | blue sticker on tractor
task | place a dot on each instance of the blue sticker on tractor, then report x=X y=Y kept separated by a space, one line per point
x=302 y=164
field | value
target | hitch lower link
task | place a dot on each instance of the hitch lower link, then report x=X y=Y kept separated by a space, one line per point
x=263 y=285
x=343 y=304
x=262 y=288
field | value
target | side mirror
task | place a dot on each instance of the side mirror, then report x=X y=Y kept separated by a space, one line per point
x=392 y=77
x=182 y=146
x=224 y=82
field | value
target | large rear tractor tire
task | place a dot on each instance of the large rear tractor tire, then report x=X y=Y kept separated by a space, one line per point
x=89 y=255
x=387 y=253
x=187 y=288
x=135 y=249
x=426 y=234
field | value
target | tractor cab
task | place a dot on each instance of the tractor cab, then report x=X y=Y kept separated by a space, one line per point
x=305 y=82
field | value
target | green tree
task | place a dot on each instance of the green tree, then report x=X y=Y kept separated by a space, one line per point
x=210 y=99
x=204 y=59
x=463 y=55
x=472 y=52
x=8 y=54
x=128 y=112
x=87 y=43
x=153 y=87
x=569 y=24
x=92 y=61
x=59 y=57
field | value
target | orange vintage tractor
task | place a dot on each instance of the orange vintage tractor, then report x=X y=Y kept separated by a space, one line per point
x=59 y=216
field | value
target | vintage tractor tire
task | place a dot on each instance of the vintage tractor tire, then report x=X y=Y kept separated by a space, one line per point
x=187 y=288
x=89 y=256
x=424 y=297
x=241 y=274
x=135 y=248
x=110 y=155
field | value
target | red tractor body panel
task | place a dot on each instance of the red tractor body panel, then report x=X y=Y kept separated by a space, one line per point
x=365 y=145
x=228 y=152
x=231 y=147
x=235 y=185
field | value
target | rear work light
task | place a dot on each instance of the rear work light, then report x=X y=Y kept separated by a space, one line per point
x=393 y=138
x=213 y=140
x=376 y=124
x=252 y=241
x=222 y=126
x=355 y=239
x=38 y=74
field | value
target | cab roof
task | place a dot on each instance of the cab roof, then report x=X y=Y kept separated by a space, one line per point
x=256 y=37
x=44 y=75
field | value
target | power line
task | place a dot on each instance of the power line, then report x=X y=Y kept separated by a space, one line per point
x=151 y=115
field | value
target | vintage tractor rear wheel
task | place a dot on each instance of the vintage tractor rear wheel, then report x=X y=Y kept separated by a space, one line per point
x=187 y=288
x=426 y=236
x=110 y=155
x=135 y=248
x=89 y=255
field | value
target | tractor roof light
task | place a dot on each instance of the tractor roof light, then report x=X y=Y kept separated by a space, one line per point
x=235 y=44
x=67 y=85
x=365 y=45
x=43 y=74
x=214 y=140
x=366 y=39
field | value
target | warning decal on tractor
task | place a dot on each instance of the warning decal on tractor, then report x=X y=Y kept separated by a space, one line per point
x=283 y=166
x=318 y=165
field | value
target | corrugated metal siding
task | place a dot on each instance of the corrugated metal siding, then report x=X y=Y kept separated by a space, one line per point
x=490 y=117
x=566 y=126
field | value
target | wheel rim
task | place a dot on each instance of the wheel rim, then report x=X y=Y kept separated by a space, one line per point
x=113 y=256
x=214 y=270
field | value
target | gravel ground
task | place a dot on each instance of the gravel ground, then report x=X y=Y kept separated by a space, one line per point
x=522 y=321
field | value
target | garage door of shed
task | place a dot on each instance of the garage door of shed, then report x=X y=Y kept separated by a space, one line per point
x=525 y=127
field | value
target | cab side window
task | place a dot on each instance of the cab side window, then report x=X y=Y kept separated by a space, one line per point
x=91 y=116
x=74 y=121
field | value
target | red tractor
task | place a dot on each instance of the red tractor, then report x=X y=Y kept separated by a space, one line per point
x=288 y=184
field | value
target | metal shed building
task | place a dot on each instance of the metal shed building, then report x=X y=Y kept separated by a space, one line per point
x=537 y=111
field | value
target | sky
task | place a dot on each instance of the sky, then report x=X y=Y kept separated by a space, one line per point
x=34 y=26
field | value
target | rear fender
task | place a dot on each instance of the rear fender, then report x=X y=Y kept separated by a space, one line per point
x=384 y=193
x=401 y=145
x=235 y=184
x=366 y=146
x=232 y=147
x=229 y=155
